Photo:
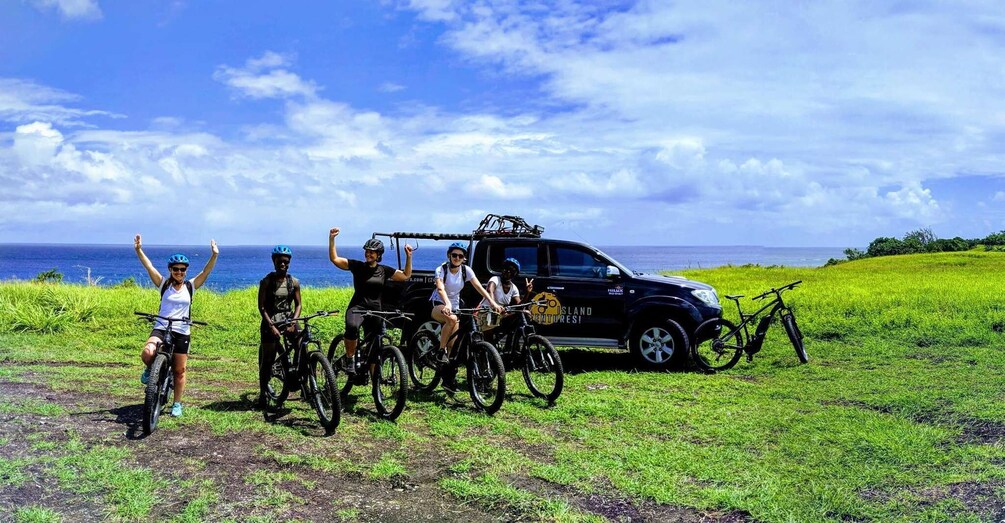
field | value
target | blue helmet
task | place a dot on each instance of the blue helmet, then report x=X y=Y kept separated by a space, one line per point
x=512 y=261
x=458 y=245
x=282 y=250
x=178 y=258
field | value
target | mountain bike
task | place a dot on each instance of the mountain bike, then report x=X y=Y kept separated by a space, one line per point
x=720 y=343
x=161 y=382
x=385 y=363
x=300 y=364
x=486 y=375
x=521 y=346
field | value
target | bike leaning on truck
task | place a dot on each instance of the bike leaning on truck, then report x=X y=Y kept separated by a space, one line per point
x=719 y=343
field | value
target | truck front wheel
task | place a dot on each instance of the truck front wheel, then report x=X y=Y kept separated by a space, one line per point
x=660 y=343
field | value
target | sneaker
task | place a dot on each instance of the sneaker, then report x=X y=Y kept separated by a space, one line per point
x=349 y=365
x=441 y=357
x=176 y=409
x=145 y=377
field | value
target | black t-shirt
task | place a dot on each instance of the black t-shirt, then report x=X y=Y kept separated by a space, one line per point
x=368 y=283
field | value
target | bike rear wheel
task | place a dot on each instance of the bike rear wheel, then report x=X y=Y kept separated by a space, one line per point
x=276 y=389
x=795 y=336
x=322 y=391
x=421 y=365
x=337 y=357
x=486 y=377
x=716 y=350
x=158 y=387
x=542 y=368
x=390 y=383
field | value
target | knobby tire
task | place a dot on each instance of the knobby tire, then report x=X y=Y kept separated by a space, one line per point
x=715 y=352
x=390 y=382
x=542 y=368
x=795 y=336
x=155 y=395
x=421 y=369
x=486 y=377
x=322 y=390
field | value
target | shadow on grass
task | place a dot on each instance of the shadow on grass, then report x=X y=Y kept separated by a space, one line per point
x=131 y=416
x=248 y=402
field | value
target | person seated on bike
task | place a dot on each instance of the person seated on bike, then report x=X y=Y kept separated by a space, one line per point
x=506 y=293
x=450 y=279
x=176 y=302
x=368 y=280
x=278 y=300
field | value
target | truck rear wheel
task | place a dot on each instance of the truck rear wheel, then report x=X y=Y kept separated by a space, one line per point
x=660 y=343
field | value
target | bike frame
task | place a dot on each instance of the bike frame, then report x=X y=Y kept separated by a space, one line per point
x=776 y=305
x=372 y=338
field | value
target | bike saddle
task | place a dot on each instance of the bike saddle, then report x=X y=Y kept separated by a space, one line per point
x=733 y=296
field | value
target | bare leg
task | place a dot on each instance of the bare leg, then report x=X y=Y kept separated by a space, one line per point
x=179 y=375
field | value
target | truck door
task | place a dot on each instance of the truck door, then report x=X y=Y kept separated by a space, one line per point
x=590 y=304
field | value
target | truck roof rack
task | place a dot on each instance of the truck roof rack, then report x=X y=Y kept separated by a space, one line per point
x=492 y=226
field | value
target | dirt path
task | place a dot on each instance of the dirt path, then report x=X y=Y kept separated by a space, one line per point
x=196 y=453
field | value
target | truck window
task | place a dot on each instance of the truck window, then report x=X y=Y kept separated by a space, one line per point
x=525 y=254
x=576 y=263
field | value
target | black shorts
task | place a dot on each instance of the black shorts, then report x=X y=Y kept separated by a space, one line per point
x=181 y=341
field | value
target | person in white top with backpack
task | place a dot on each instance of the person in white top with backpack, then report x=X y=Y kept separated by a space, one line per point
x=176 y=302
x=450 y=279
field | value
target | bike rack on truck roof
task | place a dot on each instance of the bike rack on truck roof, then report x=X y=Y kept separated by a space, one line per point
x=492 y=226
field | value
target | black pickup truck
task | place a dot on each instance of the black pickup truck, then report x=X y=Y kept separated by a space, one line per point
x=588 y=299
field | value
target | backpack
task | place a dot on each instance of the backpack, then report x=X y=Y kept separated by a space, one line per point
x=464 y=271
x=188 y=285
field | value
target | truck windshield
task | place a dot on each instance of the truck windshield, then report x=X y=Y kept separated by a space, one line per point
x=611 y=261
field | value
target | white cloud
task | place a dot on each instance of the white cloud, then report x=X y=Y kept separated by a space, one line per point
x=71 y=9
x=264 y=77
x=391 y=87
x=489 y=186
x=27 y=101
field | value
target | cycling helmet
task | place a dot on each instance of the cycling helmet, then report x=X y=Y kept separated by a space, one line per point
x=178 y=258
x=458 y=245
x=512 y=261
x=282 y=250
x=373 y=244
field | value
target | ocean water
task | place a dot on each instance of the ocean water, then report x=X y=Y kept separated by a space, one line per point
x=243 y=266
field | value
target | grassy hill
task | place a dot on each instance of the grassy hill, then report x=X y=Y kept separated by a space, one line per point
x=897 y=417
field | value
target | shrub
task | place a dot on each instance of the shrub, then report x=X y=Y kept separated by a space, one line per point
x=49 y=276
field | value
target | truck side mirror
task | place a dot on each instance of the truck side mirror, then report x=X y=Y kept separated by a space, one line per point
x=613 y=272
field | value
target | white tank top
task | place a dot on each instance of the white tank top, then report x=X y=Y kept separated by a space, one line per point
x=175 y=304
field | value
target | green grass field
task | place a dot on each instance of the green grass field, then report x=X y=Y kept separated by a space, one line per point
x=897 y=417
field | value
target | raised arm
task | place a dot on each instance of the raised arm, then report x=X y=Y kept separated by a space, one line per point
x=201 y=277
x=481 y=290
x=338 y=261
x=402 y=275
x=155 y=276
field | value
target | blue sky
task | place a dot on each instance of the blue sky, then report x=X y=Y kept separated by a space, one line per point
x=622 y=123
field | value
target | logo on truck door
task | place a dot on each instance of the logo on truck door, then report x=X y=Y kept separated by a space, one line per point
x=546 y=310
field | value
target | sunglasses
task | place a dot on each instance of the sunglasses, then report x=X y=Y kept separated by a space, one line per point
x=457 y=255
x=179 y=269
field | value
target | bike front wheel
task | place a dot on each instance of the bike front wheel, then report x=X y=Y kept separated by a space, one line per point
x=542 y=368
x=421 y=365
x=795 y=336
x=322 y=391
x=486 y=377
x=158 y=388
x=718 y=345
x=390 y=384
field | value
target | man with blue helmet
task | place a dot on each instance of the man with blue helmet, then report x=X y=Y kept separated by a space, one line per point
x=278 y=300
x=176 y=302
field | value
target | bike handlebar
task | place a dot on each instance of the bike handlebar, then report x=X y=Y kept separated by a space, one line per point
x=778 y=290
x=154 y=317
x=511 y=308
x=387 y=316
x=305 y=319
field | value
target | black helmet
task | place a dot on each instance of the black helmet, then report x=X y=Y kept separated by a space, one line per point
x=375 y=245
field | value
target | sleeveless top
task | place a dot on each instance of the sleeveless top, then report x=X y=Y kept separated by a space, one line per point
x=279 y=297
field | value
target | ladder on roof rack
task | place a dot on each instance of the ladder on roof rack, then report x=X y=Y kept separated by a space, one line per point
x=505 y=225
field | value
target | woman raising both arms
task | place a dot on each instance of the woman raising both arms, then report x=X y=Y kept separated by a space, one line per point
x=176 y=302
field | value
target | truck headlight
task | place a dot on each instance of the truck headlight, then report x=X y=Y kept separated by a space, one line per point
x=707 y=296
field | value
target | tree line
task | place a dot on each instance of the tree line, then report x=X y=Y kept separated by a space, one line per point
x=920 y=241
